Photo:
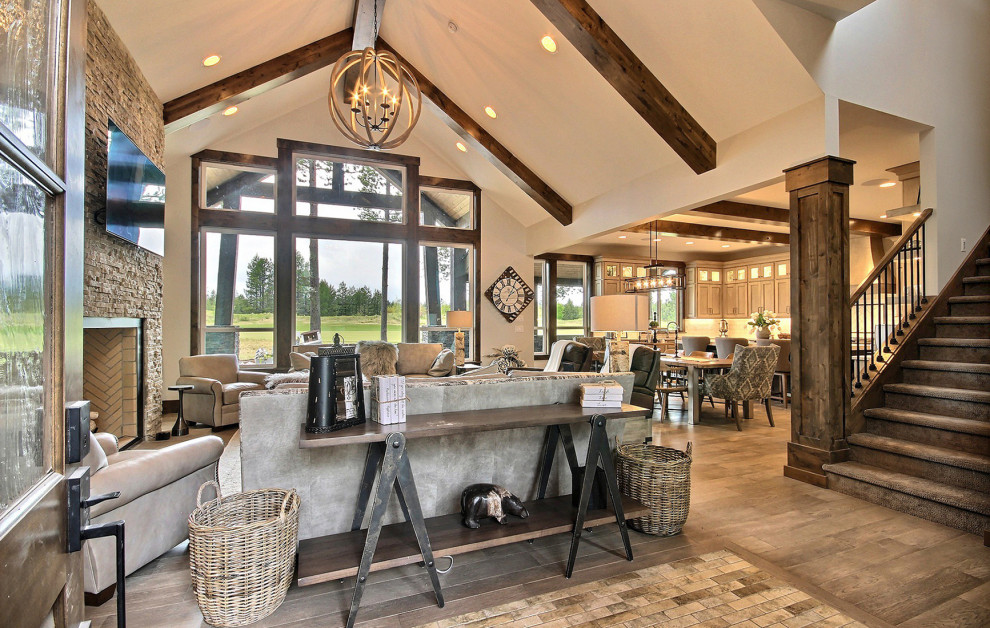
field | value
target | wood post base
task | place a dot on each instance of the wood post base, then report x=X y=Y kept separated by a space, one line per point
x=804 y=463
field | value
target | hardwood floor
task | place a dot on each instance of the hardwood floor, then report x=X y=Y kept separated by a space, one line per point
x=878 y=566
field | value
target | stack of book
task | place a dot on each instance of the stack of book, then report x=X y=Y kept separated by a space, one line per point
x=606 y=394
x=388 y=399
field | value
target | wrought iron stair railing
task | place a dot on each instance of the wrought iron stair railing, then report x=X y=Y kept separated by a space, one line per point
x=886 y=302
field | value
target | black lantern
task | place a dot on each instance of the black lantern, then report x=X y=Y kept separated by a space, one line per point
x=336 y=392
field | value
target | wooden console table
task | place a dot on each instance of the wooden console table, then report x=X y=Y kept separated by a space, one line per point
x=359 y=552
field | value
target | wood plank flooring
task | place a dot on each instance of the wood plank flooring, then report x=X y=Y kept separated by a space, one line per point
x=878 y=566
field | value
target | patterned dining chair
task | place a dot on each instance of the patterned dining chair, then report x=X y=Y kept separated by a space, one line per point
x=749 y=379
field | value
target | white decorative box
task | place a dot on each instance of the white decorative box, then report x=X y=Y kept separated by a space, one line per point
x=388 y=399
x=606 y=394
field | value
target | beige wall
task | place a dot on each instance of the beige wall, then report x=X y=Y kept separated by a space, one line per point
x=503 y=243
x=923 y=61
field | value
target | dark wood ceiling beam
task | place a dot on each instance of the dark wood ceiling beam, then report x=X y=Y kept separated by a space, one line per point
x=264 y=77
x=605 y=50
x=729 y=234
x=762 y=214
x=476 y=137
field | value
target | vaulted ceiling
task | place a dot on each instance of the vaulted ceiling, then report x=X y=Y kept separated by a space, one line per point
x=721 y=60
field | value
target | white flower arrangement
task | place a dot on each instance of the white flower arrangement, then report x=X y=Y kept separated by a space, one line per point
x=764 y=318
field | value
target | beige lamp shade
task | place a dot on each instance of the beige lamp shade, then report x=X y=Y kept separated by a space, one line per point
x=620 y=312
x=459 y=319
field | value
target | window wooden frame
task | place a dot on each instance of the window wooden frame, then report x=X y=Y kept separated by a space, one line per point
x=287 y=226
x=550 y=296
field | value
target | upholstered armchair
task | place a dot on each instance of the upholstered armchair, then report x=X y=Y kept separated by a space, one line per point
x=645 y=365
x=749 y=379
x=565 y=356
x=215 y=398
x=157 y=493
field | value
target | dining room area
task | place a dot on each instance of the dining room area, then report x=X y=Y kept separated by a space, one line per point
x=696 y=378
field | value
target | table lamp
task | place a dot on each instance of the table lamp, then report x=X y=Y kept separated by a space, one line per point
x=459 y=320
x=613 y=313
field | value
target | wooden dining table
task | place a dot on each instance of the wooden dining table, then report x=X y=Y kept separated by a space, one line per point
x=694 y=368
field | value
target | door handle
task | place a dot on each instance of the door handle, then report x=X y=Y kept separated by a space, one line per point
x=79 y=528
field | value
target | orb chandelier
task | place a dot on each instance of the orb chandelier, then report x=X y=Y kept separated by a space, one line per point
x=375 y=100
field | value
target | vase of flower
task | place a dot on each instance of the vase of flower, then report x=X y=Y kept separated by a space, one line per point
x=763 y=323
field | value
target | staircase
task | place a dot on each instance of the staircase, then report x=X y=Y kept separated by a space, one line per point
x=926 y=450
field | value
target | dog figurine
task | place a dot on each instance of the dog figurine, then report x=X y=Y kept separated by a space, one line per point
x=489 y=500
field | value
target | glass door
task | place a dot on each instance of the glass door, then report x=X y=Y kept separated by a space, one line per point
x=32 y=210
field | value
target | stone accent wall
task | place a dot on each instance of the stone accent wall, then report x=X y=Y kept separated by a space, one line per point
x=121 y=279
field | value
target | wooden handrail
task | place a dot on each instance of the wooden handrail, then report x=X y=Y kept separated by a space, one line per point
x=890 y=255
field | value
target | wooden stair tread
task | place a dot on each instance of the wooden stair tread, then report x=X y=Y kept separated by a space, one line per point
x=921 y=451
x=977 y=279
x=337 y=556
x=962 y=320
x=939 y=392
x=936 y=421
x=971 y=298
x=955 y=367
x=954 y=342
x=947 y=494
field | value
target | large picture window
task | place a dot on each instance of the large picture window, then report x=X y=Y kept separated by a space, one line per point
x=445 y=284
x=239 y=279
x=355 y=243
x=351 y=288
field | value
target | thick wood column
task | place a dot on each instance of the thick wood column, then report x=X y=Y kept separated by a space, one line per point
x=819 y=315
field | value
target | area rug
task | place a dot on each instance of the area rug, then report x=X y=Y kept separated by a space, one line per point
x=716 y=589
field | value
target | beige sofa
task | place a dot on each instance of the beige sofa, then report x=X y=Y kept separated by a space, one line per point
x=217 y=386
x=415 y=359
x=157 y=494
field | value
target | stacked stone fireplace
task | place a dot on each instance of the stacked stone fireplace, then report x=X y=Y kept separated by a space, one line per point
x=113 y=377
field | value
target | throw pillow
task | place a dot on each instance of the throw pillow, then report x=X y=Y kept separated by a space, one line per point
x=443 y=365
x=377 y=358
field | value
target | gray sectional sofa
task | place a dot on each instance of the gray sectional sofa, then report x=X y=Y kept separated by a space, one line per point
x=327 y=478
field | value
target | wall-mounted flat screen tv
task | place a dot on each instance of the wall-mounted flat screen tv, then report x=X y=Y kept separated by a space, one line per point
x=135 y=194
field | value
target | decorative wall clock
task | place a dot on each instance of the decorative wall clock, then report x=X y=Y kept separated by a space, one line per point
x=509 y=294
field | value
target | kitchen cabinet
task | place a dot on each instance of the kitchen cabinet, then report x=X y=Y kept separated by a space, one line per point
x=761 y=295
x=782 y=289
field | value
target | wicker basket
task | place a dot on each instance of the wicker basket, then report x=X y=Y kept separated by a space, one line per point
x=242 y=550
x=660 y=478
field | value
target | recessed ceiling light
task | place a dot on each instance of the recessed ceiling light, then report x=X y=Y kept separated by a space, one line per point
x=549 y=44
x=491 y=112
x=916 y=214
x=725 y=246
x=689 y=243
x=622 y=237
x=888 y=184
x=229 y=111
x=883 y=215
x=656 y=239
x=461 y=147
x=211 y=60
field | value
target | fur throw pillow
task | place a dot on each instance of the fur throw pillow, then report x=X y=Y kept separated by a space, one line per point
x=295 y=377
x=377 y=358
x=443 y=365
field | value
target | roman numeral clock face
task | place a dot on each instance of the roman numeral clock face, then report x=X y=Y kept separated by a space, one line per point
x=509 y=294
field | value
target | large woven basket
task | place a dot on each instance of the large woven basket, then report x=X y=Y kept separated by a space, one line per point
x=242 y=550
x=660 y=478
